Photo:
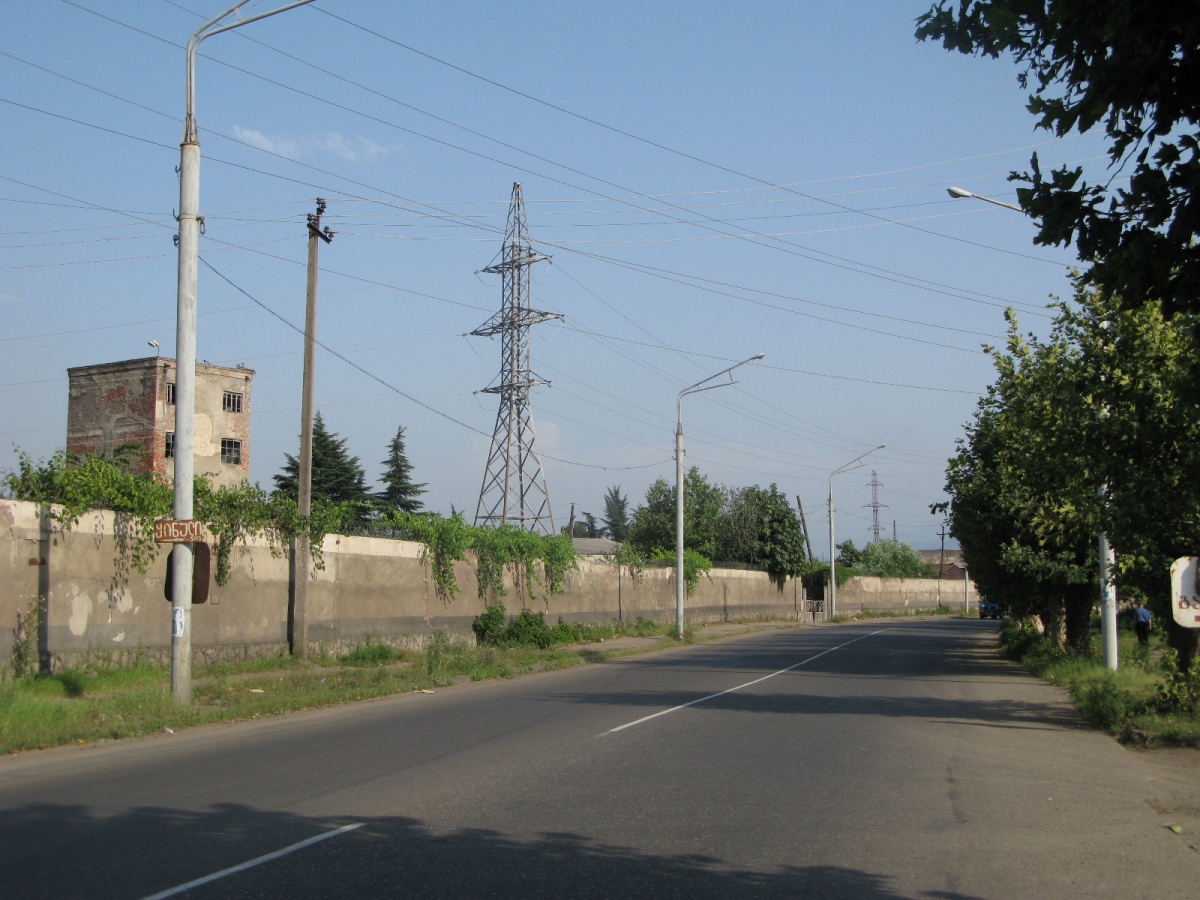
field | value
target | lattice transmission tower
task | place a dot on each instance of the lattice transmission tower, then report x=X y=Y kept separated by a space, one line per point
x=514 y=488
x=875 y=506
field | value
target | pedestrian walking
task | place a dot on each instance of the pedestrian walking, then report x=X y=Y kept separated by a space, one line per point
x=1143 y=623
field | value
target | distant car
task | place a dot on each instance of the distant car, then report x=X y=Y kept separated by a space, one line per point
x=989 y=610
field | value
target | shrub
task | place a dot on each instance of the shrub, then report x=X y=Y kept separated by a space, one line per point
x=489 y=627
x=528 y=630
x=1105 y=703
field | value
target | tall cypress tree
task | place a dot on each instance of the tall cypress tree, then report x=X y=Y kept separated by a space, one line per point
x=337 y=477
x=398 y=487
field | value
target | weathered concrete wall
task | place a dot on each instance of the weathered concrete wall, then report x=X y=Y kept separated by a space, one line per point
x=369 y=586
x=870 y=593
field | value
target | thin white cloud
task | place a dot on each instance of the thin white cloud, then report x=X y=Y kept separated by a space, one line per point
x=353 y=149
x=9 y=298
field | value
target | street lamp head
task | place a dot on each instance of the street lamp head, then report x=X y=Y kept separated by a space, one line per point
x=759 y=356
x=958 y=193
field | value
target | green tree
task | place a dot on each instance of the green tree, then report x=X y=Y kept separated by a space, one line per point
x=616 y=514
x=848 y=555
x=893 y=559
x=1037 y=424
x=653 y=526
x=337 y=477
x=399 y=490
x=758 y=526
x=1132 y=67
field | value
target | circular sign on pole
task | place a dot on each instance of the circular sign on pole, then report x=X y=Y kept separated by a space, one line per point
x=1185 y=591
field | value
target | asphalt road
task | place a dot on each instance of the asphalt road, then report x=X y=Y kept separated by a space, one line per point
x=896 y=759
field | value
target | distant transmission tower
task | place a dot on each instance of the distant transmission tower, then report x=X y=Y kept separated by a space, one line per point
x=514 y=488
x=875 y=506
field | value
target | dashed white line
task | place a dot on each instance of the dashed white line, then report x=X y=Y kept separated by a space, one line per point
x=802 y=662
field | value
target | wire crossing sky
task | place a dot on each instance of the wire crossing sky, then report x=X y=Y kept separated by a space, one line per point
x=709 y=181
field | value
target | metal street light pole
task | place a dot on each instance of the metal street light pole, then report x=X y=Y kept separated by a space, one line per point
x=855 y=463
x=190 y=224
x=680 y=588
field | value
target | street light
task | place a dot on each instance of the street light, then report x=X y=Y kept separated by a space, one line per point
x=694 y=389
x=190 y=222
x=958 y=194
x=855 y=463
x=1108 y=594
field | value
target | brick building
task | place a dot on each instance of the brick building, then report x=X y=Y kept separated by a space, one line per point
x=133 y=402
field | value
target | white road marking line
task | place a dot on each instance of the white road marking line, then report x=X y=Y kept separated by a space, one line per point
x=739 y=687
x=257 y=861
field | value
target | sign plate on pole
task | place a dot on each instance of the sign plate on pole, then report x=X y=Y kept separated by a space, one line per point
x=178 y=531
x=1185 y=591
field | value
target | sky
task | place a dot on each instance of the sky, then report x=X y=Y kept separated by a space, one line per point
x=711 y=181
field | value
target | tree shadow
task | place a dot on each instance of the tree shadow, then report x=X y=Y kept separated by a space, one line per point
x=49 y=850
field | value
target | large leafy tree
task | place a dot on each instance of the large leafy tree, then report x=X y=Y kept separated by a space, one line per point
x=1131 y=67
x=1029 y=445
x=399 y=490
x=616 y=514
x=893 y=559
x=758 y=526
x=1095 y=429
x=653 y=526
x=337 y=477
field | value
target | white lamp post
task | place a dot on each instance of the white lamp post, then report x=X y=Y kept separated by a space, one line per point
x=680 y=588
x=855 y=463
x=185 y=355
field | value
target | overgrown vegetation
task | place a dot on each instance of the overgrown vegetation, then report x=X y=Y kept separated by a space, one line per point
x=529 y=629
x=751 y=526
x=1147 y=697
x=70 y=485
x=99 y=700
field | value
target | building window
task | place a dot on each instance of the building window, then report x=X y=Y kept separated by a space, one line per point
x=232 y=401
x=231 y=450
x=171 y=392
x=169 y=447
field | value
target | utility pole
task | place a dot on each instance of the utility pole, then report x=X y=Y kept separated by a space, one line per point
x=191 y=224
x=301 y=551
x=804 y=525
x=942 y=562
x=571 y=523
x=894 y=540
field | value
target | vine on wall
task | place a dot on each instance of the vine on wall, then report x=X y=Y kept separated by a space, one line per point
x=70 y=486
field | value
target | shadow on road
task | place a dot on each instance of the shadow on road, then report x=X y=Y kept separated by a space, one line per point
x=64 y=851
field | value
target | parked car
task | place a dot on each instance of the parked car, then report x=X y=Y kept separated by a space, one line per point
x=989 y=610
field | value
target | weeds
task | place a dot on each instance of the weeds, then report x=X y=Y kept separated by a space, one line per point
x=1145 y=694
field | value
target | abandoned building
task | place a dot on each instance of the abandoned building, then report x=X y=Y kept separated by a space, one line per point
x=132 y=404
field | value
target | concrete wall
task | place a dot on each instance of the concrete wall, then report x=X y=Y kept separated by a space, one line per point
x=870 y=593
x=96 y=605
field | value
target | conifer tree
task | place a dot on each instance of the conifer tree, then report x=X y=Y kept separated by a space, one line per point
x=337 y=477
x=399 y=490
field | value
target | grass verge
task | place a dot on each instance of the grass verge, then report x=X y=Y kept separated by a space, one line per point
x=1134 y=702
x=897 y=614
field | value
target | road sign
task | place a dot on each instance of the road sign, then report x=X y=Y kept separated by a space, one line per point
x=178 y=531
x=201 y=573
x=1185 y=591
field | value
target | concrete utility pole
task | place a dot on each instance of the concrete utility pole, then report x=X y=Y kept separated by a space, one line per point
x=1108 y=602
x=190 y=225
x=804 y=525
x=942 y=563
x=301 y=551
x=966 y=591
